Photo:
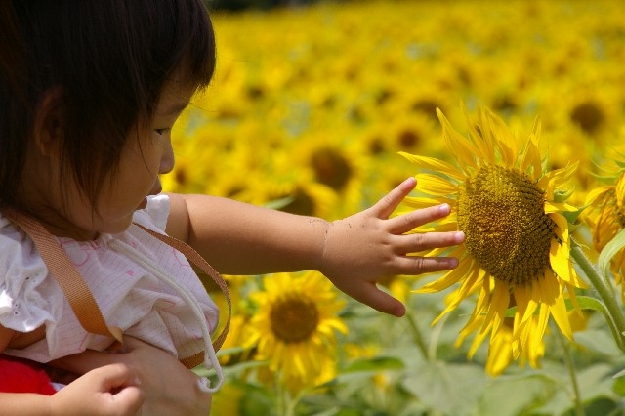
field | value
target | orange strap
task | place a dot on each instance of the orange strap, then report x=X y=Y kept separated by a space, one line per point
x=78 y=293
x=74 y=287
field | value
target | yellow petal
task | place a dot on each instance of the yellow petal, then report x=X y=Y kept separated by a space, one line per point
x=531 y=154
x=499 y=304
x=434 y=164
x=553 y=207
x=435 y=185
x=424 y=202
x=559 y=259
x=464 y=150
x=557 y=178
x=448 y=279
x=558 y=310
x=494 y=130
x=596 y=193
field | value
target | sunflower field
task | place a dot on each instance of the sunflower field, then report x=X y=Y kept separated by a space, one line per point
x=511 y=111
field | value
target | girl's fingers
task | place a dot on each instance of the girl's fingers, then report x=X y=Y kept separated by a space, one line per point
x=114 y=376
x=417 y=218
x=370 y=295
x=418 y=242
x=417 y=265
x=385 y=206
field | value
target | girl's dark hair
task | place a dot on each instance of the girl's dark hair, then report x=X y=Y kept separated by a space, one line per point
x=109 y=59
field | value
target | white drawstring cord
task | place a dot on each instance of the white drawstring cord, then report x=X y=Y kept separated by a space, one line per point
x=210 y=358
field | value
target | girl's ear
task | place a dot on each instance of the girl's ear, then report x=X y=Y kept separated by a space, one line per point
x=48 y=123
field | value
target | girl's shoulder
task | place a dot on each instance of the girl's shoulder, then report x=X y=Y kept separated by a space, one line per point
x=26 y=294
x=16 y=248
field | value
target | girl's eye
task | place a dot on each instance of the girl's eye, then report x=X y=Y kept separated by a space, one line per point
x=162 y=131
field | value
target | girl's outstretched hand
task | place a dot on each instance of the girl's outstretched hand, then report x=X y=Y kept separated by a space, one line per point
x=360 y=250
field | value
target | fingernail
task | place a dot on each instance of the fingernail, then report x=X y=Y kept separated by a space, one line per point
x=444 y=208
x=459 y=236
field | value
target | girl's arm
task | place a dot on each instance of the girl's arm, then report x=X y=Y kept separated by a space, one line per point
x=354 y=253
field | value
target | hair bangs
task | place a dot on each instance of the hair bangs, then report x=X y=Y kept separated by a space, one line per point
x=184 y=42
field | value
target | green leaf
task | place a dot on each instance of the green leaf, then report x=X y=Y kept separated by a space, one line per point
x=279 y=203
x=561 y=195
x=571 y=217
x=594 y=381
x=448 y=388
x=615 y=245
x=230 y=351
x=503 y=398
x=603 y=406
x=619 y=384
x=586 y=303
x=374 y=365
x=619 y=375
x=598 y=341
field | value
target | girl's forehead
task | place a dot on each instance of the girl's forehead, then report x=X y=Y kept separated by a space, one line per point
x=174 y=98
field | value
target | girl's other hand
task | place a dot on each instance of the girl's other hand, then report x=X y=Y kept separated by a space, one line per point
x=169 y=388
x=369 y=246
x=108 y=390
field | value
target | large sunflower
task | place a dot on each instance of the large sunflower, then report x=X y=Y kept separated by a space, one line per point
x=295 y=328
x=516 y=253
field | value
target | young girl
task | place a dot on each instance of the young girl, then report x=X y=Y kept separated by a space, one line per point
x=89 y=92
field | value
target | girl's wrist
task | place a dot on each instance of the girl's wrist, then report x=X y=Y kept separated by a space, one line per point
x=323 y=251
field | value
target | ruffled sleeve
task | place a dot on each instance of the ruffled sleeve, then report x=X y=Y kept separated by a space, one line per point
x=29 y=296
x=154 y=215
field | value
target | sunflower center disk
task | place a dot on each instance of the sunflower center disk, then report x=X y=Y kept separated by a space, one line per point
x=507 y=231
x=294 y=319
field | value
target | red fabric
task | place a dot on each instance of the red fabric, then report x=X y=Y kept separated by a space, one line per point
x=23 y=376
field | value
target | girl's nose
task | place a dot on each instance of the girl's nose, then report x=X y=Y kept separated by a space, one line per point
x=167 y=160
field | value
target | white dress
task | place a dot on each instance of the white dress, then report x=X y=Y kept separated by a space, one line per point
x=129 y=296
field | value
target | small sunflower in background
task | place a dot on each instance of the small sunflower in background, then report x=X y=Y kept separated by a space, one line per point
x=516 y=253
x=295 y=328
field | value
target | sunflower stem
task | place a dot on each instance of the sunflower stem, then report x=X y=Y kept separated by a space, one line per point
x=577 y=400
x=417 y=336
x=291 y=405
x=614 y=316
x=281 y=399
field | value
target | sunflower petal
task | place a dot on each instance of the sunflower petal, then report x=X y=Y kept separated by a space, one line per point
x=448 y=279
x=434 y=164
x=424 y=202
x=464 y=149
x=531 y=155
x=435 y=185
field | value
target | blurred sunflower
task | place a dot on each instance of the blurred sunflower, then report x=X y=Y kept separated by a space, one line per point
x=605 y=215
x=517 y=244
x=295 y=328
